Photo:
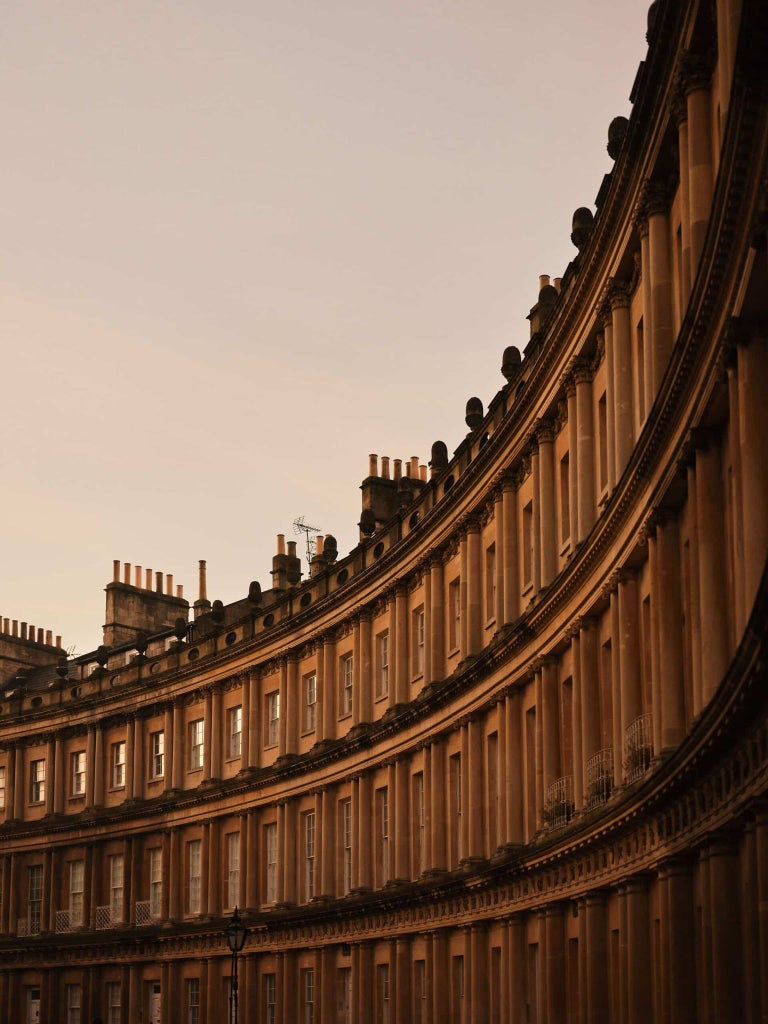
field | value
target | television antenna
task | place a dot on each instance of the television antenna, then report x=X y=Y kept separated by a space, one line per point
x=300 y=526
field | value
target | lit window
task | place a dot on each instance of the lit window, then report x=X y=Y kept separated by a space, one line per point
x=270 y=839
x=382 y=664
x=196 y=744
x=233 y=869
x=118 y=765
x=78 y=773
x=157 y=755
x=235 y=731
x=37 y=781
x=76 y=892
x=346 y=684
x=273 y=717
x=310 y=702
x=2 y=787
x=116 y=888
x=155 y=881
x=193 y=861
x=382 y=993
x=309 y=855
x=382 y=835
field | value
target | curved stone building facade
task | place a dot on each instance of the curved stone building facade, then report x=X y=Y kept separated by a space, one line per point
x=508 y=759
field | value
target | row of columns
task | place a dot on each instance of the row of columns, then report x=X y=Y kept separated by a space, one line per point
x=682 y=943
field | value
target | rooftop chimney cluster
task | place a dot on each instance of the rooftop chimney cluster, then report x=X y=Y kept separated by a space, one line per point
x=32 y=634
x=146 y=575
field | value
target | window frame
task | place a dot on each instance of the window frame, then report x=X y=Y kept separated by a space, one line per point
x=272 y=734
x=235 y=731
x=309 y=708
x=194 y=881
x=37 y=780
x=347 y=682
x=157 y=754
x=118 y=764
x=196 y=734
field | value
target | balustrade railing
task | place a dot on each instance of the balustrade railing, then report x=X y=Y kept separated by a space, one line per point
x=559 y=806
x=143 y=913
x=103 y=917
x=62 y=922
x=638 y=748
x=599 y=772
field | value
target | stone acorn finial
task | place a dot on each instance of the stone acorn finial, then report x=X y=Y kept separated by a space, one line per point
x=474 y=414
x=439 y=456
x=510 y=362
x=217 y=611
x=102 y=655
x=62 y=668
x=367 y=524
x=180 y=628
x=617 y=131
x=581 y=227
x=330 y=548
x=141 y=644
x=254 y=592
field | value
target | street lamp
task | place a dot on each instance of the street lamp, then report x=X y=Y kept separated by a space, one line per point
x=235 y=933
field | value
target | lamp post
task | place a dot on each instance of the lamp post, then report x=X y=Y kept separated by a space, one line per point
x=235 y=933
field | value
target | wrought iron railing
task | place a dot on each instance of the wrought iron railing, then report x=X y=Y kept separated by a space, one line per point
x=103 y=917
x=143 y=913
x=559 y=806
x=23 y=928
x=62 y=922
x=638 y=748
x=599 y=770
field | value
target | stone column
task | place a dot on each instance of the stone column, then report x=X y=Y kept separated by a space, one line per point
x=569 y=384
x=549 y=720
x=18 y=782
x=590 y=725
x=647 y=394
x=725 y=930
x=554 y=966
x=510 y=556
x=245 y=736
x=498 y=583
x=207 y=734
x=585 y=450
x=639 y=976
x=165 y=891
x=617 y=713
x=660 y=338
x=610 y=395
x=402 y=972
x=55 y=788
x=696 y=76
x=99 y=759
x=479 y=1002
x=761 y=937
x=622 y=375
x=594 y=943
x=401 y=645
x=169 y=743
x=473 y=809
x=670 y=626
x=680 y=113
x=577 y=710
x=330 y=688
x=364 y=833
x=463 y=596
x=130 y=757
x=291 y=709
x=402 y=825
x=441 y=977
x=356 y=673
x=175 y=877
x=366 y=666
x=474 y=589
x=713 y=608
x=214 y=873
x=535 y=515
x=513 y=773
x=438 y=861
x=752 y=370
x=216 y=733
x=178 y=748
x=205 y=866
x=437 y=619
x=254 y=721
x=629 y=653
x=138 y=759
x=327 y=845
x=677 y=943
x=545 y=435
x=539 y=745
x=251 y=860
x=282 y=725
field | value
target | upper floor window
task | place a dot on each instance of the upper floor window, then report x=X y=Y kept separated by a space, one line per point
x=270 y=999
x=454 y=614
x=417 y=635
x=34 y=898
x=2 y=787
x=310 y=703
x=270 y=842
x=235 y=731
x=114 y=1003
x=346 y=685
x=273 y=717
x=346 y=849
x=37 y=781
x=116 y=888
x=308 y=996
x=76 y=892
x=118 y=765
x=78 y=773
x=155 y=881
x=233 y=869
x=382 y=664
x=490 y=582
x=196 y=744
x=193 y=865
x=309 y=854
x=528 y=544
x=157 y=754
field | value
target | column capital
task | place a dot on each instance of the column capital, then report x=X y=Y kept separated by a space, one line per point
x=656 y=198
x=581 y=370
x=567 y=383
x=640 y=215
x=693 y=71
x=611 y=585
x=544 y=430
x=616 y=293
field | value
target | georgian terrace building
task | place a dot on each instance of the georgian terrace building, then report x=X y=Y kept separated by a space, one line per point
x=508 y=759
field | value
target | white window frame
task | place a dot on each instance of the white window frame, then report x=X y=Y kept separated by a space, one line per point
x=76 y=893
x=310 y=702
x=308 y=836
x=2 y=787
x=34 y=897
x=156 y=881
x=270 y=998
x=346 y=851
x=194 y=858
x=273 y=718
x=382 y=664
x=196 y=744
x=418 y=641
x=193 y=1001
x=347 y=683
x=118 y=764
x=235 y=731
x=270 y=843
x=308 y=995
x=233 y=869
x=77 y=773
x=116 y=887
x=74 y=1004
x=37 y=781
x=157 y=754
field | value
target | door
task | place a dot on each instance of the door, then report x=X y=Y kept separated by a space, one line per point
x=154 y=1003
x=33 y=1006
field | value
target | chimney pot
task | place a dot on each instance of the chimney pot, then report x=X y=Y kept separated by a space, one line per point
x=557 y=282
x=147 y=579
x=137 y=577
x=116 y=570
x=15 y=627
x=159 y=582
x=543 y=281
x=423 y=473
x=415 y=467
x=281 y=543
x=398 y=469
x=180 y=591
x=169 y=584
x=127 y=573
x=202 y=588
x=23 y=631
x=48 y=637
x=40 y=633
x=58 y=641
x=373 y=465
x=385 y=467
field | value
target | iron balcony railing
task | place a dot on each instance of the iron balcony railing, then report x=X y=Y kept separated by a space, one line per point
x=559 y=806
x=638 y=748
x=599 y=769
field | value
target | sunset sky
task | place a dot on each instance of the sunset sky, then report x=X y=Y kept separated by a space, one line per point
x=244 y=244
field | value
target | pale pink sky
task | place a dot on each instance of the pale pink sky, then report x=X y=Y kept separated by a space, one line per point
x=243 y=244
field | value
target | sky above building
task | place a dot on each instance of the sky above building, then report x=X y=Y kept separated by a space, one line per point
x=245 y=244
